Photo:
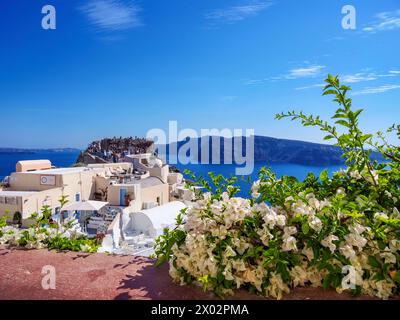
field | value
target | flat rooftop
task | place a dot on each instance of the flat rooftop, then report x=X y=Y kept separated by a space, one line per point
x=59 y=171
x=145 y=182
x=17 y=193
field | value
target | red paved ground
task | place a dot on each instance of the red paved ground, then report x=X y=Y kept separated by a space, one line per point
x=99 y=276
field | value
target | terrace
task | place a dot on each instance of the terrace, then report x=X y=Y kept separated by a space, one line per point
x=98 y=276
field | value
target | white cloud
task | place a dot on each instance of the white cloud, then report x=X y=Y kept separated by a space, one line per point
x=318 y=85
x=296 y=73
x=237 y=13
x=364 y=76
x=305 y=72
x=111 y=15
x=384 y=21
x=379 y=89
x=358 y=77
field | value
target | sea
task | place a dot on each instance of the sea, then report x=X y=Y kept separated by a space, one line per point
x=67 y=159
x=58 y=159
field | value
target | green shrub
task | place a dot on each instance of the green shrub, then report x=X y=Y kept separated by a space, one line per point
x=46 y=234
x=339 y=232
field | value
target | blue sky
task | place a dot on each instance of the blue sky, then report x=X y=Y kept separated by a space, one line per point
x=121 y=67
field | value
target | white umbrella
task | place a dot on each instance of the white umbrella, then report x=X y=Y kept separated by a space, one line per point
x=85 y=206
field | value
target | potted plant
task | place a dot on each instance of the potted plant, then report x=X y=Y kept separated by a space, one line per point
x=128 y=199
x=17 y=219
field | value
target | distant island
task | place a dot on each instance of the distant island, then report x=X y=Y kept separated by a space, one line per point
x=274 y=150
x=266 y=149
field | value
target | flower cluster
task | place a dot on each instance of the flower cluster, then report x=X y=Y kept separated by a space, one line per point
x=40 y=235
x=235 y=242
x=338 y=231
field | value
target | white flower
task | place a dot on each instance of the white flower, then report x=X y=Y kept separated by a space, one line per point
x=388 y=257
x=355 y=174
x=315 y=223
x=254 y=276
x=314 y=202
x=383 y=289
x=41 y=236
x=277 y=287
x=355 y=240
x=347 y=251
x=289 y=244
x=315 y=276
x=271 y=218
x=255 y=189
x=229 y=252
x=288 y=201
x=265 y=236
x=308 y=252
x=239 y=265
x=289 y=231
x=280 y=220
x=380 y=216
x=299 y=276
x=341 y=191
x=374 y=178
x=299 y=207
x=394 y=245
x=324 y=203
x=207 y=196
x=357 y=229
x=67 y=234
x=85 y=248
x=327 y=242
x=240 y=245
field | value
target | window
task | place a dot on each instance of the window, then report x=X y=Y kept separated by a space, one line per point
x=78 y=197
x=11 y=200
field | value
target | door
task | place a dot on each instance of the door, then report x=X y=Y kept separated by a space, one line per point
x=122 y=195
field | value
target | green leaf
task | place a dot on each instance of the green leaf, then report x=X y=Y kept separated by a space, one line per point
x=305 y=228
x=329 y=92
x=327 y=281
x=373 y=262
x=343 y=123
x=357 y=113
x=324 y=176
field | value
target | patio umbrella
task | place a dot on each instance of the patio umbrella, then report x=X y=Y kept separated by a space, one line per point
x=90 y=205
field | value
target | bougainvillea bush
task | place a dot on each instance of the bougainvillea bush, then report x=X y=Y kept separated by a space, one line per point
x=43 y=233
x=340 y=231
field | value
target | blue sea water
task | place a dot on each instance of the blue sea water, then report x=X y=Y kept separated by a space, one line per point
x=58 y=159
x=298 y=171
x=66 y=159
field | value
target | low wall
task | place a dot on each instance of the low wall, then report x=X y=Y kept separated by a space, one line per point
x=114 y=230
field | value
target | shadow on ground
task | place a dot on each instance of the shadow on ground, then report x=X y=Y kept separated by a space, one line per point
x=151 y=282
